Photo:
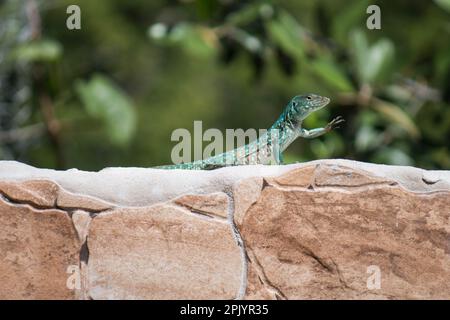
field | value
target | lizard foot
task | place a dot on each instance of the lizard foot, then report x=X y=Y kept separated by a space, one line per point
x=334 y=124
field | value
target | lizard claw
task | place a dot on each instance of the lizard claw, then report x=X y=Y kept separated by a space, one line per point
x=334 y=123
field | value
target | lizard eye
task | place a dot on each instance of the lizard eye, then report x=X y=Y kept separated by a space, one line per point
x=308 y=98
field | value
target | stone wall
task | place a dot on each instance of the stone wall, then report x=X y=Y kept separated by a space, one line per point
x=330 y=229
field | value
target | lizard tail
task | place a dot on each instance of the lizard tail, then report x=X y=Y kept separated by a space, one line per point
x=200 y=165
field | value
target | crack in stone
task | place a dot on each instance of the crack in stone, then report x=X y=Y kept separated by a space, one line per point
x=239 y=241
x=200 y=212
x=84 y=252
x=308 y=252
x=430 y=182
x=84 y=249
x=334 y=269
x=254 y=203
x=358 y=189
x=319 y=260
x=334 y=188
x=92 y=213
x=247 y=254
x=33 y=205
x=384 y=295
x=313 y=185
x=277 y=293
x=265 y=184
x=83 y=266
x=341 y=278
x=361 y=185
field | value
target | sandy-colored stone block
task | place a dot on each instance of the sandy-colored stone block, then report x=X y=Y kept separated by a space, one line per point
x=339 y=176
x=300 y=177
x=37 y=248
x=215 y=204
x=246 y=192
x=67 y=200
x=161 y=252
x=324 y=244
x=38 y=193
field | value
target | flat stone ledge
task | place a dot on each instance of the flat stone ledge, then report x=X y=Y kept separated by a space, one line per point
x=326 y=229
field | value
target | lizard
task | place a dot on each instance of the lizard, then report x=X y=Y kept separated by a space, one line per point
x=268 y=148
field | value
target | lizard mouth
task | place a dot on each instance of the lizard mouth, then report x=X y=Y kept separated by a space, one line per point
x=325 y=101
x=321 y=102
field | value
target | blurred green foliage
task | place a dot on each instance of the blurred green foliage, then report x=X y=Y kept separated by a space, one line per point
x=104 y=101
x=111 y=93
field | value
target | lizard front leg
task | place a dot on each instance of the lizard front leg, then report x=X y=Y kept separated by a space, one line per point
x=313 y=133
x=277 y=154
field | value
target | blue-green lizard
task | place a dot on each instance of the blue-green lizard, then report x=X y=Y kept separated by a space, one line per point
x=268 y=148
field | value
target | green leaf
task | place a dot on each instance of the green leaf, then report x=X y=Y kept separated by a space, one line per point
x=43 y=50
x=373 y=64
x=360 y=50
x=332 y=74
x=380 y=60
x=444 y=4
x=350 y=16
x=244 y=16
x=196 y=40
x=398 y=116
x=287 y=33
x=103 y=100
x=251 y=43
x=158 y=31
x=367 y=138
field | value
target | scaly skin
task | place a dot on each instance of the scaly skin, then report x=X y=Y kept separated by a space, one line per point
x=268 y=148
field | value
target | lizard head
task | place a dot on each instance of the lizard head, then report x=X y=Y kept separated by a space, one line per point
x=302 y=106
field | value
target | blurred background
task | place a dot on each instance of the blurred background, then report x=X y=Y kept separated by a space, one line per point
x=111 y=93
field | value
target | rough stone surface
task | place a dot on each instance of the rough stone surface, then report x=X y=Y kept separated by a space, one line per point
x=301 y=177
x=321 y=242
x=245 y=194
x=328 y=229
x=161 y=252
x=36 y=249
x=214 y=204
x=339 y=176
x=81 y=221
x=38 y=193
x=67 y=200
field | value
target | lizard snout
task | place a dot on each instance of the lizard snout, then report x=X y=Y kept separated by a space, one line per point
x=322 y=102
